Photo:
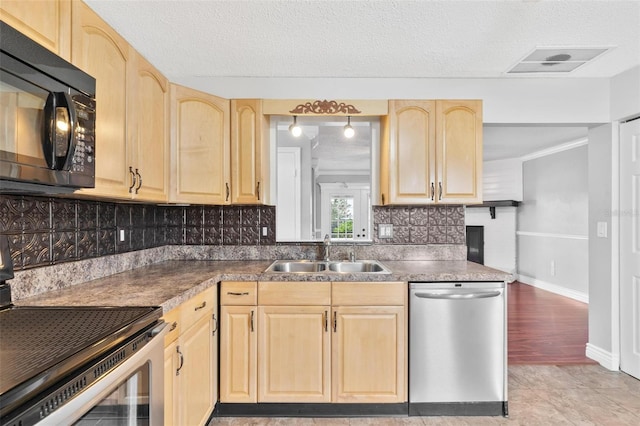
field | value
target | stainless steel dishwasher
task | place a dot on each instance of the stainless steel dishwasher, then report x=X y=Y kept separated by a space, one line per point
x=457 y=348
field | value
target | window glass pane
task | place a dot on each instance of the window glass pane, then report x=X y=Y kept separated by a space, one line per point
x=342 y=217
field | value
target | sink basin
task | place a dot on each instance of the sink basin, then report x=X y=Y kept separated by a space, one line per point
x=358 y=266
x=306 y=266
x=311 y=266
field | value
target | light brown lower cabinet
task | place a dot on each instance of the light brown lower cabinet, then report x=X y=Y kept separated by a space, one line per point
x=238 y=342
x=313 y=342
x=191 y=359
x=368 y=354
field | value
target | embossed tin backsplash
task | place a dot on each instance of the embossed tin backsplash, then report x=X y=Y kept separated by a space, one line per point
x=44 y=231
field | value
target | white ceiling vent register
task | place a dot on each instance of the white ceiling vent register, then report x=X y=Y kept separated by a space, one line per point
x=556 y=59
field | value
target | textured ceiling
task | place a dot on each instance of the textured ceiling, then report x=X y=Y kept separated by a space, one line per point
x=386 y=39
x=323 y=38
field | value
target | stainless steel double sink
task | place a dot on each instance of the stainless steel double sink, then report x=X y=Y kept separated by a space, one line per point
x=317 y=266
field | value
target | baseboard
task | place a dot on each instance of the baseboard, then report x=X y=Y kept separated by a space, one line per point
x=554 y=288
x=606 y=359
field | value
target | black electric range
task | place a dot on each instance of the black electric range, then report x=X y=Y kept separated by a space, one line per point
x=39 y=346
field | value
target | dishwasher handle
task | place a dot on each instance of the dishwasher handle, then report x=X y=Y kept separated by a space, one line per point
x=459 y=296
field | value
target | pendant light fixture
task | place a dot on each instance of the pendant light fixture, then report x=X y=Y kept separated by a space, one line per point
x=349 y=132
x=295 y=130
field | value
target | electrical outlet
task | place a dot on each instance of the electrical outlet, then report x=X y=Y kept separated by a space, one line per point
x=265 y=231
x=121 y=235
x=385 y=230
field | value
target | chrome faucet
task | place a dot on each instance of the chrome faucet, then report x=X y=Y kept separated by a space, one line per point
x=352 y=254
x=326 y=244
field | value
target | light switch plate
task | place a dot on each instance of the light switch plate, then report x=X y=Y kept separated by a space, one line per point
x=601 y=229
x=385 y=230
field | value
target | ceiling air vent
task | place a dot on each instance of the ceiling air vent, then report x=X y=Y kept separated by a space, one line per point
x=556 y=60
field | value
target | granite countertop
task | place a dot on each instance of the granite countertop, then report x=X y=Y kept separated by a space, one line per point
x=170 y=283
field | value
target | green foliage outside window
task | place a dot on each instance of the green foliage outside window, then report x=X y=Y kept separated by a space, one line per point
x=342 y=217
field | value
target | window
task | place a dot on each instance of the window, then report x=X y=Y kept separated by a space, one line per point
x=345 y=212
x=342 y=217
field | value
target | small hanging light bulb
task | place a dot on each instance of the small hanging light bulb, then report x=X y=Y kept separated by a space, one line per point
x=295 y=130
x=349 y=132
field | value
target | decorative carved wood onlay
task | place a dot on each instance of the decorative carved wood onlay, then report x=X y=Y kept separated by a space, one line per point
x=325 y=107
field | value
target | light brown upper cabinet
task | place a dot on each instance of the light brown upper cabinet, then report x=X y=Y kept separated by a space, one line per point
x=432 y=152
x=199 y=147
x=132 y=99
x=149 y=131
x=47 y=22
x=249 y=152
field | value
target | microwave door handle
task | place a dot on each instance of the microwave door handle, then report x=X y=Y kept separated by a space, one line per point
x=71 y=140
x=57 y=160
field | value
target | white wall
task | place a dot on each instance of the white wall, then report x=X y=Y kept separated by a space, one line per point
x=499 y=235
x=625 y=94
x=502 y=180
x=552 y=237
x=601 y=142
x=505 y=100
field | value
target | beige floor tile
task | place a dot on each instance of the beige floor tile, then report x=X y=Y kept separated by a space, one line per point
x=538 y=395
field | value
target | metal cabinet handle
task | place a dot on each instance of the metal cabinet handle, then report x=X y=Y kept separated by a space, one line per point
x=201 y=306
x=440 y=187
x=335 y=321
x=173 y=326
x=382 y=196
x=139 y=181
x=228 y=191
x=251 y=321
x=258 y=190
x=326 y=321
x=215 y=324
x=433 y=191
x=133 y=179
x=233 y=293
x=181 y=360
x=458 y=296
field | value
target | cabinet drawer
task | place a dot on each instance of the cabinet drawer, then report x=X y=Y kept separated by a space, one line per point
x=369 y=293
x=292 y=293
x=239 y=293
x=197 y=307
x=172 y=318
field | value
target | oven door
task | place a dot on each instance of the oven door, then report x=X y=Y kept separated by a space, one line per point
x=131 y=394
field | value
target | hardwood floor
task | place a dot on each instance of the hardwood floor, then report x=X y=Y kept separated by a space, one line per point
x=545 y=328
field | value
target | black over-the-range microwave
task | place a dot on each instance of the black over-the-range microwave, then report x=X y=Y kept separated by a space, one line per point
x=47 y=119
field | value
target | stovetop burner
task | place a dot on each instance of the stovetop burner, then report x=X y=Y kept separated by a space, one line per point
x=38 y=345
